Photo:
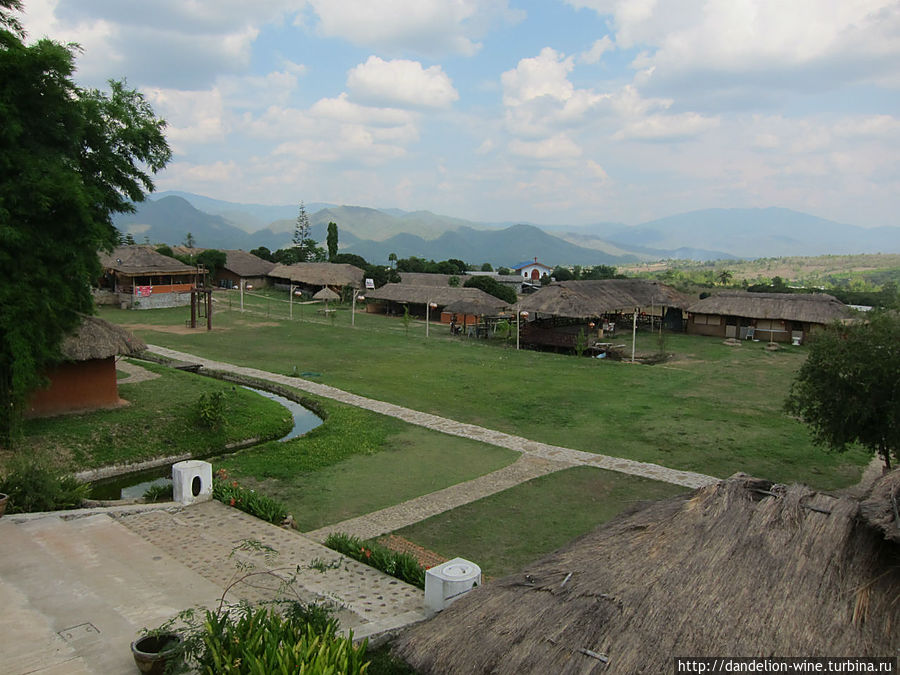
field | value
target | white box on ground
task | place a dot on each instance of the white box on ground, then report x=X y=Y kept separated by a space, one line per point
x=448 y=581
x=191 y=481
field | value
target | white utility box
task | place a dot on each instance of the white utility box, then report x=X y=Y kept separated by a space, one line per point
x=192 y=481
x=448 y=581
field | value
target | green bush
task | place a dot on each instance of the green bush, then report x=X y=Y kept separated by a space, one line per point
x=403 y=566
x=159 y=493
x=33 y=485
x=230 y=493
x=211 y=409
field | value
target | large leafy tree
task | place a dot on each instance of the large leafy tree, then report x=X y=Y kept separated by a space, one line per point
x=492 y=287
x=69 y=159
x=848 y=390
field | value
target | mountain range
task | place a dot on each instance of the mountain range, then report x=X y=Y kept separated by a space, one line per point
x=708 y=234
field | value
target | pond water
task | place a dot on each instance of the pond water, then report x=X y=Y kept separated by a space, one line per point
x=133 y=485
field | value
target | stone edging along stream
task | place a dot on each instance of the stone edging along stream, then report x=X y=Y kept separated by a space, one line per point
x=111 y=471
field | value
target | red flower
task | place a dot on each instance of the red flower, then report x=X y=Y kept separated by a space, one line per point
x=368 y=554
x=231 y=503
x=234 y=483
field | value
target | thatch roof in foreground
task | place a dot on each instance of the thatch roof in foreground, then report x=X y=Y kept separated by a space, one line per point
x=440 y=295
x=587 y=299
x=808 y=308
x=726 y=570
x=99 y=339
x=140 y=260
x=320 y=274
x=326 y=294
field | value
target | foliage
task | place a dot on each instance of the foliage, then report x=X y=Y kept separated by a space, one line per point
x=158 y=493
x=249 y=501
x=403 y=566
x=305 y=248
x=210 y=409
x=406 y=318
x=166 y=250
x=420 y=265
x=847 y=389
x=562 y=274
x=492 y=287
x=69 y=159
x=262 y=252
x=487 y=267
x=189 y=241
x=33 y=485
x=332 y=240
x=504 y=271
x=378 y=273
x=580 y=342
x=349 y=259
x=453 y=281
x=213 y=260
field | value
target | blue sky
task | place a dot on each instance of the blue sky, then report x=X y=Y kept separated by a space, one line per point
x=553 y=112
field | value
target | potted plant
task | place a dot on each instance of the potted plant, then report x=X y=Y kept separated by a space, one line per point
x=154 y=651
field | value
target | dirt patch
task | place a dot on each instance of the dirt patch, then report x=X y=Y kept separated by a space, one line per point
x=175 y=330
x=425 y=557
x=257 y=324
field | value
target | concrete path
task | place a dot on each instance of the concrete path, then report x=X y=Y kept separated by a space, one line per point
x=545 y=451
x=135 y=372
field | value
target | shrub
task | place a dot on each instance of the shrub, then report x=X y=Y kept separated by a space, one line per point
x=403 y=566
x=158 y=493
x=33 y=485
x=211 y=409
x=231 y=494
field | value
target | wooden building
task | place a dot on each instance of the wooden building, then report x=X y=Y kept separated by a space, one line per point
x=241 y=266
x=391 y=298
x=86 y=378
x=313 y=277
x=774 y=317
x=140 y=278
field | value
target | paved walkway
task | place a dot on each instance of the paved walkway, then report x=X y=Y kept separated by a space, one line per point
x=135 y=372
x=553 y=453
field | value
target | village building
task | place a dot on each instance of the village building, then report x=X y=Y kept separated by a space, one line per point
x=563 y=312
x=313 y=277
x=463 y=306
x=86 y=379
x=424 y=279
x=242 y=267
x=739 y=568
x=137 y=277
x=532 y=270
x=774 y=317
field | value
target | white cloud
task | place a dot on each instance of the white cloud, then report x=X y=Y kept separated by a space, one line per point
x=401 y=83
x=430 y=27
x=544 y=75
x=666 y=127
x=555 y=148
x=597 y=50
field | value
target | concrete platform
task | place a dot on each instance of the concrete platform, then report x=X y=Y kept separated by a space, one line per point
x=77 y=590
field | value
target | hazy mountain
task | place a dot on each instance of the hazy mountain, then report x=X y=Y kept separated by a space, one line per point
x=168 y=220
x=757 y=233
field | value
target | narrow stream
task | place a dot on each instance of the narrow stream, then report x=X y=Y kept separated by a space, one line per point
x=134 y=485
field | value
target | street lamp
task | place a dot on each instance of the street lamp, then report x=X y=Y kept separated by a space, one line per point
x=429 y=306
x=524 y=315
x=356 y=297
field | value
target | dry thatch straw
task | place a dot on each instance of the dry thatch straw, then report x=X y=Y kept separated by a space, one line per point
x=809 y=308
x=739 y=568
x=326 y=294
x=440 y=295
x=99 y=339
x=588 y=299
x=320 y=274
x=141 y=260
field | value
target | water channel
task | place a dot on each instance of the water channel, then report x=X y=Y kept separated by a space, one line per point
x=133 y=485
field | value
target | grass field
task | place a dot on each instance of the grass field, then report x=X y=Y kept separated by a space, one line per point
x=508 y=530
x=159 y=421
x=713 y=409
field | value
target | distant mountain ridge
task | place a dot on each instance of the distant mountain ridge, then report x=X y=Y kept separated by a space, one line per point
x=707 y=234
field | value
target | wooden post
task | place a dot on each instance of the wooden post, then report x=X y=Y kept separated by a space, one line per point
x=209 y=309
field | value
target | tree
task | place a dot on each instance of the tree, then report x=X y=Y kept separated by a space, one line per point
x=562 y=274
x=262 y=252
x=332 y=240
x=213 y=260
x=486 y=267
x=392 y=258
x=307 y=249
x=189 y=240
x=725 y=277
x=847 y=390
x=492 y=287
x=69 y=159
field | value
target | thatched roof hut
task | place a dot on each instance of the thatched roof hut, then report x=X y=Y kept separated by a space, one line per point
x=489 y=306
x=425 y=279
x=587 y=299
x=243 y=264
x=327 y=295
x=142 y=261
x=818 y=308
x=440 y=295
x=96 y=338
x=319 y=274
x=738 y=568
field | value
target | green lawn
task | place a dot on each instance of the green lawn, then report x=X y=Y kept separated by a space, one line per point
x=359 y=462
x=505 y=532
x=159 y=421
x=713 y=409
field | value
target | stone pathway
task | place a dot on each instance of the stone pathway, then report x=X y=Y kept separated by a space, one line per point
x=545 y=451
x=412 y=511
x=135 y=372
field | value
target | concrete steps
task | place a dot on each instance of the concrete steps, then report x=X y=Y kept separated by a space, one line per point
x=77 y=592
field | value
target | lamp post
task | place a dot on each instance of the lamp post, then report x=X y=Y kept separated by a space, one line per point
x=524 y=315
x=428 y=307
x=633 y=331
x=356 y=297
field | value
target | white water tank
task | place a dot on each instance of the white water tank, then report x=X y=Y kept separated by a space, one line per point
x=448 y=581
x=191 y=481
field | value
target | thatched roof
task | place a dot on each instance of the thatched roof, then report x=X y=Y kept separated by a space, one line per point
x=135 y=260
x=245 y=264
x=488 y=305
x=424 y=279
x=586 y=299
x=809 y=308
x=99 y=339
x=726 y=570
x=320 y=274
x=326 y=294
x=881 y=509
x=440 y=295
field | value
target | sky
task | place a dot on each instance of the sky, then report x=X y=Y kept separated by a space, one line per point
x=544 y=111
